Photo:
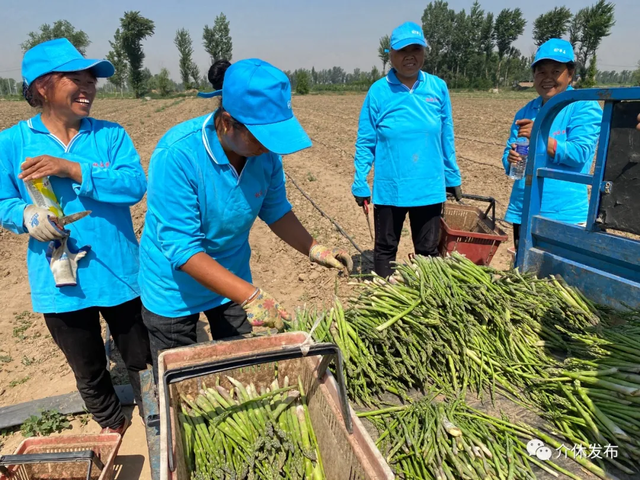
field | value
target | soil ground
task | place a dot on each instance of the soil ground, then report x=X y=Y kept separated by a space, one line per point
x=32 y=367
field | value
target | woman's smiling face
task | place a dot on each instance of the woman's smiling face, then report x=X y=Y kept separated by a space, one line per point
x=551 y=77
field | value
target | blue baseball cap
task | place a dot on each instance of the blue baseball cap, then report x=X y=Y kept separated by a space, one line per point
x=555 y=49
x=258 y=95
x=60 y=55
x=408 y=33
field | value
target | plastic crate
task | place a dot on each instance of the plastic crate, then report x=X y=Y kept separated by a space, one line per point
x=104 y=446
x=469 y=231
x=347 y=456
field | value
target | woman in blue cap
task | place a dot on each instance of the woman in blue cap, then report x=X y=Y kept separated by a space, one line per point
x=406 y=131
x=209 y=179
x=572 y=142
x=92 y=165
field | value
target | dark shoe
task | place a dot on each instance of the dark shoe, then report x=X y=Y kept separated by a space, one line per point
x=121 y=429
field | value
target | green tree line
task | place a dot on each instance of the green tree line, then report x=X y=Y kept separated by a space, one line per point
x=475 y=48
x=127 y=54
x=468 y=49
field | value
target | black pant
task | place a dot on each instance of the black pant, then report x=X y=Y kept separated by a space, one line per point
x=516 y=235
x=388 y=220
x=228 y=320
x=78 y=336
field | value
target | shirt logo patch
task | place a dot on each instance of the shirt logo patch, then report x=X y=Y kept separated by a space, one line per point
x=101 y=164
x=260 y=194
x=431 y=99
x=558 y=132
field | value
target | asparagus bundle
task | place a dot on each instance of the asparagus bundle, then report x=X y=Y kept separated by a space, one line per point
x=242 y=434
x=448 y=322
x=438 y=441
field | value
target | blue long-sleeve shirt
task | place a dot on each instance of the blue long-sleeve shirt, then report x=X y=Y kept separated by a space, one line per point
x=576 y=129
x=112 y=181
x=407 y=135
x=198 y=203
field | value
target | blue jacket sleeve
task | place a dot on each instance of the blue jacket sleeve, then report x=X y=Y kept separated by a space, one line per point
x=11 y=203
x=173 y=200
x=275 y=204
x=123 y=182
x=513 y=136
x=365 y=148
x=451 y=170
x=583 y=132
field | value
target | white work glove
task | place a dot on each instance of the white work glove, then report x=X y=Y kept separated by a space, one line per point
x=64 y=263
x=40 y=226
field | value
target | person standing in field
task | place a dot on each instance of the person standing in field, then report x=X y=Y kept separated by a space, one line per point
x=92 y=165
x=571 y=145
x=405 y=131
x=210 y=178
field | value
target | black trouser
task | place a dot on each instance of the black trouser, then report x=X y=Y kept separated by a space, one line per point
x=388 y=220
x=228 y=320
x=79 y=337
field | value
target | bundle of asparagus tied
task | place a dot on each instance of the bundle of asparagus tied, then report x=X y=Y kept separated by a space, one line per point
x=245 y=434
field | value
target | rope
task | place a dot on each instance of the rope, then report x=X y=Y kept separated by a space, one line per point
x=335 y=224
x=466 y=159
x=350 y=155
x=469 y=139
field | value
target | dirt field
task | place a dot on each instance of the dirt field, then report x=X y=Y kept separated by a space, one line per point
x=31 y=367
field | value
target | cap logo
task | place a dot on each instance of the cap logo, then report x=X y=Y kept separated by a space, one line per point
x=289 y=104
x=416 y=32
x=560 y=50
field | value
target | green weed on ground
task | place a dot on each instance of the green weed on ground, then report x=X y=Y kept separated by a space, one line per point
x=172 y=104
x=15 y=383
x=48 y=422
x=27 y=361
x=18 y=331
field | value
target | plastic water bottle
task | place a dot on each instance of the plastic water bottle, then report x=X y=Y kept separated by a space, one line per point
x=516 y=170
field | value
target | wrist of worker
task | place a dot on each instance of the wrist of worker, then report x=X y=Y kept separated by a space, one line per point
x=72 y=170
x=248 y=294
x=552 y=147
x=313 y=244
x=254 y=294
x=314 y=255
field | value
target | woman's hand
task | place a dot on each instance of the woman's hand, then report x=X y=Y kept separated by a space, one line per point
x=47 y=166
x=331 y=257
x=552 y=146
x=513 y=157
x=526 y=126
x=289 y=229
x=264 y=310
x=42 y=224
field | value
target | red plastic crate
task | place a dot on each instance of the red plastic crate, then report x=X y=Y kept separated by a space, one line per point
x=348 y=456
x=104 y=445
x=467 y=230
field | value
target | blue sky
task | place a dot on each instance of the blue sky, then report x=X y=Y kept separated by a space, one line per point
x=287 y=33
